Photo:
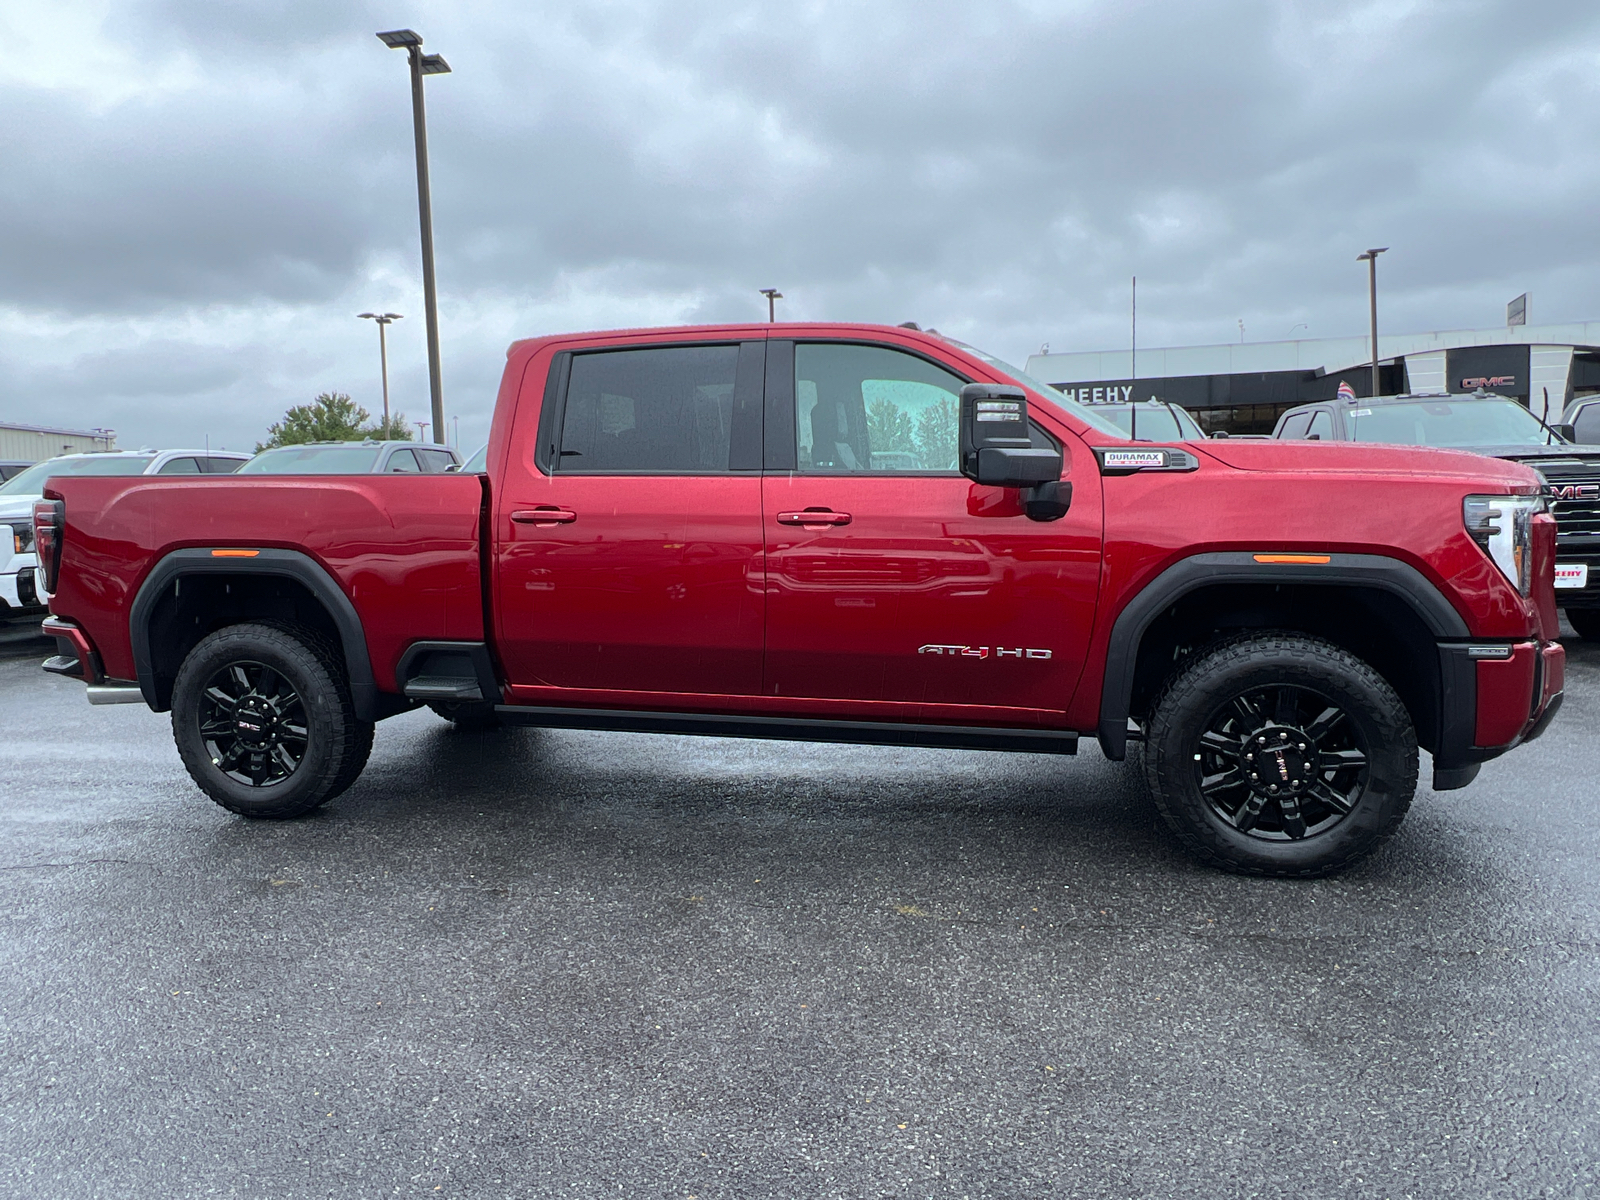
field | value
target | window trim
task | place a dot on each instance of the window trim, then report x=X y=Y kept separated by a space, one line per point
x=747 y=411
x=782 y=443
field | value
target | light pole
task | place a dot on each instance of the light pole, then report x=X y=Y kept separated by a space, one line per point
x=422 y=430
x=424 y=64
x=383 y=320
x=1371 y=259
x=773 y=295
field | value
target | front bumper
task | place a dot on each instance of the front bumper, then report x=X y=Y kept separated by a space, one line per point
x=19 y=590
x=1496 y=696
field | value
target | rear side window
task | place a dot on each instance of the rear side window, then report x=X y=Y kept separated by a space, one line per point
x=664 y=409
x=402 y=461
x=180 y=466
x=1321 y=426
x=1295 y=426
x=221 y=466
x=434 y=462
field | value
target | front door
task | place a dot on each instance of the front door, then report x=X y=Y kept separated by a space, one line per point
x=629 y=562
x=893 y=581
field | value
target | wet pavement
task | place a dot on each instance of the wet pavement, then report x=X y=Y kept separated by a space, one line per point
x=534 y=963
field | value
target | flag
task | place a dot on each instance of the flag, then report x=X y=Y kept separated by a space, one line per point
x=1346 y=392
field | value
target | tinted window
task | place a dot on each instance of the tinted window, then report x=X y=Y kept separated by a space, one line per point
x=180 y=466
x=221 y=466
x=1295 y=426
x=667 y=409
x=31 y=481
x=353 y=459
x=1587 y=426
x=1321 y=425
x=435 y=462
x=867 y=408
x=403 y=462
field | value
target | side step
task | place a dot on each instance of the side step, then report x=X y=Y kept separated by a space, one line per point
x=450 y=671
x=789 y=729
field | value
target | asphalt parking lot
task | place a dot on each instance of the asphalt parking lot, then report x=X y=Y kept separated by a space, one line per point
x=534 y=963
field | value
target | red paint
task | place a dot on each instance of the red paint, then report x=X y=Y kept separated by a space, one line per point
x=705 y=593
x=1505 y=695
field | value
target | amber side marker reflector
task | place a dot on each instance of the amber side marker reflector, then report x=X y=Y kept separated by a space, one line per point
x=1317 y=559
x=234 y=553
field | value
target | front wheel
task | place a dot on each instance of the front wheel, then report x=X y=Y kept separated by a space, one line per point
x=1281 y=754
x=1585 y=623
x=264 y=721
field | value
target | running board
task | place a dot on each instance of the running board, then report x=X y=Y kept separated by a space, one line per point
x=790 y=729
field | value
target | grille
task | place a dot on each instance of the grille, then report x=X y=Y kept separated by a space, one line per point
x=1577 y=517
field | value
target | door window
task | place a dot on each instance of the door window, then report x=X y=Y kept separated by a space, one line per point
x=661 y=410
x=404 y=462
x=1587 y=426
x=869 y=409
x=1295 y=426
x=1321 y=426
x=180 y=466
x=435 y=462
x=221 y=466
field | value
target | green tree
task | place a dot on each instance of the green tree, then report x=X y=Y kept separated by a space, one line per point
x=331 y=417
x=937 y=429
x=889 y=427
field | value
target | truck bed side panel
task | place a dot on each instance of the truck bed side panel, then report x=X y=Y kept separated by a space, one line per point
x=404 y=548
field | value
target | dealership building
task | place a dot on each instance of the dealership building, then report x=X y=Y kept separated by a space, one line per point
x=31 y=443
x=1245 y=387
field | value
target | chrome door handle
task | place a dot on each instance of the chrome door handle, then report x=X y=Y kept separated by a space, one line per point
x=814 y=516
x=544 y=514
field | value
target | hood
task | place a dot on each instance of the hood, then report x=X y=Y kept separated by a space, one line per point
x=12 y=507
x=1365 y=458
x=1535 y=454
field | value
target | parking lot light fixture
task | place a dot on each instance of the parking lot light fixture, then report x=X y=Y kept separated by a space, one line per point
x=383 y=319
x=1371 y=259
x=773 y=295
x=424 y=64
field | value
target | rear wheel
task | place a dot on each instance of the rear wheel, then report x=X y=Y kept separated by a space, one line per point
x=1585 y=622
x=263 y=719
x=1280 y=754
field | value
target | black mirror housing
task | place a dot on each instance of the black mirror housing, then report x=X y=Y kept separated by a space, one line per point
x=995 y=447
x=1570 y=432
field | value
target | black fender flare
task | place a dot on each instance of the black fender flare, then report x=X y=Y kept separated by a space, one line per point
x=292 y=564
x=1202 y=570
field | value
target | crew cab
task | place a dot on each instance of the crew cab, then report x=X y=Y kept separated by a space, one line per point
x=842 y=533
x=1485 y=423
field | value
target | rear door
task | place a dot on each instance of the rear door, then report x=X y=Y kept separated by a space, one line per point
x=893 y=581
x=628 y=529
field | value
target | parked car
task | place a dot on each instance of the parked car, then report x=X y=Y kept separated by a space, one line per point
x=18 y=592
x=1502 y=428
x=354 y=458
x=1152 y=421
x=685 y=531
x=1583 y=419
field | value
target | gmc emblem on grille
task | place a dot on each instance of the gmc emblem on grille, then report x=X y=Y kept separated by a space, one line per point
x=1572 y=491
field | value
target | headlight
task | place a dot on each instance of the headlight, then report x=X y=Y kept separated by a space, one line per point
x=1503 y=525
x=21 y=539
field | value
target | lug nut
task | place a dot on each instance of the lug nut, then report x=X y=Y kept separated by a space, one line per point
x=1272 y=787
x=1301 y=746
x=1253 y=775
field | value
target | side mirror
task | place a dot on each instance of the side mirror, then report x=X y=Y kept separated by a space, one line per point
x=1313 y=437
x=452 y=468
x=1220 y=433
x=1570 y=432
x=995 y=447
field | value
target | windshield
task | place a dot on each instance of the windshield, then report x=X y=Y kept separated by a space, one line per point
x=1445 y=423
x=31 y=481
x=352 y=459
x=1087 y=415
x=478 y=463
x=1157 y=422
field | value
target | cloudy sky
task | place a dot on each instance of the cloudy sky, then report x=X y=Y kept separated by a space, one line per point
x=198 y=196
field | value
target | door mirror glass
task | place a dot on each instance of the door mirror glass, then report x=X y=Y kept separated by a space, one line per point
x=996 y=448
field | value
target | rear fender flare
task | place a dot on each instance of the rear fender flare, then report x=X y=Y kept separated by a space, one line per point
x=292 y=564
x=1203 y=570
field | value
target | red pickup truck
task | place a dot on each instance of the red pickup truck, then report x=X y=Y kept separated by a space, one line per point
x=840 y=533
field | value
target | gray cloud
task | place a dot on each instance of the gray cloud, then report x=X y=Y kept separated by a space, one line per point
x=998 y=170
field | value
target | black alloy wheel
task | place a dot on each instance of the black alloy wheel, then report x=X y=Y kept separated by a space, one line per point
x=1281 y=763
x=253 y=724
x=263 y=717
x=1279 y=753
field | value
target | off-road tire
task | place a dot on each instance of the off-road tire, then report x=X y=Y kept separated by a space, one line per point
x=1585 y=623
x=336 y=743
x=1202 y=695
x=466 y=714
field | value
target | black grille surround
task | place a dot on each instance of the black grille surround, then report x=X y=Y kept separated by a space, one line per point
x=1572 y=485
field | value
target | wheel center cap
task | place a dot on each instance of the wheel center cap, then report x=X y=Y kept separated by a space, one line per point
x=254 y=724
x=1278 y=761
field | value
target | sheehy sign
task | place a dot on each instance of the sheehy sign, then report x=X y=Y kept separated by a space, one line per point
x=1114 y=394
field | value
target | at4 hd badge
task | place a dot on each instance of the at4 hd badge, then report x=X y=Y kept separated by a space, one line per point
x=985 y=651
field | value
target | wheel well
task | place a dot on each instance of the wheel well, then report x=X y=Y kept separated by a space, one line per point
x=194 y=605
x=1377 y=626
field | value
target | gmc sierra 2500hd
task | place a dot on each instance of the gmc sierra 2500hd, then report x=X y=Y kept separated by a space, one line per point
x=840 y=533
